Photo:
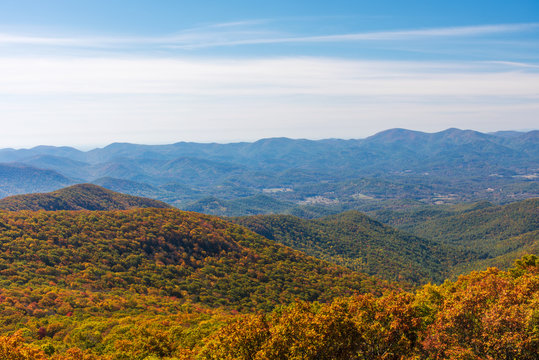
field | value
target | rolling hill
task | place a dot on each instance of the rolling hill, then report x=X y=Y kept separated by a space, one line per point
x=144 y=282
x=354 y=240
x=79 y=197
x=190 y=256
x=482 y=227
x=499 y=233
x=436 y=242
x=483 y=315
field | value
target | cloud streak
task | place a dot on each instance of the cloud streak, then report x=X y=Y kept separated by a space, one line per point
x=479 y=30
x=446 y=32
x=243 y=33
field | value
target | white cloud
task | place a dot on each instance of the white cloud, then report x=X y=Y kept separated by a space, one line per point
x=478 y=30
x=252 y=78
x=94 y=101
x=115 y=96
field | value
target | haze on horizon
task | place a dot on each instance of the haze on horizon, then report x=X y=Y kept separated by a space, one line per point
x=90 y=147
x=86 y=74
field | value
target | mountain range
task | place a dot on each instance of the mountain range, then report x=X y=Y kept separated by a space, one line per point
x=446 y=167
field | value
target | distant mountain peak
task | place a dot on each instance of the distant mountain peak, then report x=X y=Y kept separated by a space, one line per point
x=460 y=132
x=396 y=134
x=79 y=197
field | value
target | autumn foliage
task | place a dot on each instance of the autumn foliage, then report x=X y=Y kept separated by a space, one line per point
x=487 y=315
x=165 y=284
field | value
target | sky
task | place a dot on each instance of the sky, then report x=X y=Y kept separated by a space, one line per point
x=88 y=73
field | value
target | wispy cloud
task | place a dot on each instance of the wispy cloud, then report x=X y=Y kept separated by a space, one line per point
x=463 y=31
x=165 y=97
x=96 y=100
x=10 y=39
x=238 y=23
x=434 y=32
x=247 y=33
x=515 y=64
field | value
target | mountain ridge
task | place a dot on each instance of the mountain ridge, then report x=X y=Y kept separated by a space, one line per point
x=78 y=197
x=386 y=135
x=497 y=234
x=457 y=166
x=186 y=255
x=354 y=240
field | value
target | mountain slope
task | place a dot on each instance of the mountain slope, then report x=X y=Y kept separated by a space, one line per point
x=167 y=284
x=128 y=187
x=354 y=240
x=78 y=197
x=496 y=234
x=22 y=179
x=483 y=315
x=66 y=166
x=483 y=229
x=167 y=252
x=257 y=204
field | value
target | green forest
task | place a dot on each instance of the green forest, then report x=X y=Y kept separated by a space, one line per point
x=362 y=244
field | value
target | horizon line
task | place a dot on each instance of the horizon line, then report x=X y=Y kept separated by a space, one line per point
x=97 y=147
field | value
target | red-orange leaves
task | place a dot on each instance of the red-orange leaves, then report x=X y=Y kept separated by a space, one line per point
x=13 y=348
x=486 y=315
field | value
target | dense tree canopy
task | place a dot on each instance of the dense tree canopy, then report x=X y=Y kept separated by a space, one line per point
x=167 y=284
x=360 y=243
x=487 y=315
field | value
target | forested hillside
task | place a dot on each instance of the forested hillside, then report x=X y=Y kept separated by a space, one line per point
x=483 y=228
x=437 y=241
x=168 y=284
x=79 y=197
x=356 y=241
x=486 y=315
x=499 y=233
x=151 y=283
x=169 y=252
x=89 y=279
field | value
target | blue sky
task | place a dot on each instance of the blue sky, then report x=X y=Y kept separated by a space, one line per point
x=87 y=73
